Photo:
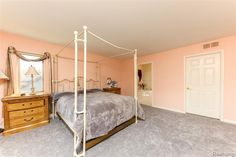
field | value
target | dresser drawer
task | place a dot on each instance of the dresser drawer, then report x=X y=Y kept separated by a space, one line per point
x=24 y=112
x=25 y=105
x=21 y=113
x=26 y=120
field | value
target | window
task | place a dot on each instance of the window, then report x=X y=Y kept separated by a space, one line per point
x=25 y=80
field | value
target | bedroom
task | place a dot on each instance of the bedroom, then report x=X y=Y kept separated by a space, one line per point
x=171 y=35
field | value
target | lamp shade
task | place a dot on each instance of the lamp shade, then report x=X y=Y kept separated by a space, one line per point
x=31 y=71
x=3 y=76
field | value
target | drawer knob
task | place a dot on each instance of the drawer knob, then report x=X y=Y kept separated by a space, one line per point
x=30 y=103
x=23 y=104
x=24 y=111
x=28 y=120
x=32 y=110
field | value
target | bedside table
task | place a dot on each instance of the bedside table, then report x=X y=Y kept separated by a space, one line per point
x=112 y=90
x=24 y=112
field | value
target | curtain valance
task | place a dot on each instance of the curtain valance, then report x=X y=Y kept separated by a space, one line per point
x=19 y=54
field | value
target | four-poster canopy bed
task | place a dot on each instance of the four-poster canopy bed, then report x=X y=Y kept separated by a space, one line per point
x=93 y=108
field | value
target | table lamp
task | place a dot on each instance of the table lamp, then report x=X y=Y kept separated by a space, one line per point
x=32 y=72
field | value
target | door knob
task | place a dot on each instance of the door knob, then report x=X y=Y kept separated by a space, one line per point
x=188 y=88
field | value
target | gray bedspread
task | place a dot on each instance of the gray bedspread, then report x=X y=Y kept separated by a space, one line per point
x=105 y=111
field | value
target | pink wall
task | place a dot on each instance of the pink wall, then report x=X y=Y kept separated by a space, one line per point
x=168 y=69
x=109 y=67
x=168 y=74
x=127 y=77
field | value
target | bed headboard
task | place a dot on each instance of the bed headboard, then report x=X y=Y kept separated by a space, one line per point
x=67 y=85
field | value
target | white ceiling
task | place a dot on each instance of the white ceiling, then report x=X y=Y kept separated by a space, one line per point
x=148 y=25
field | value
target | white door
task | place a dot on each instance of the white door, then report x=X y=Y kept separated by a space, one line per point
x=203 y=85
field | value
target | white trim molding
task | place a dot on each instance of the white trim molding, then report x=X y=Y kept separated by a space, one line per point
x=179 y=111
x=229 y=121
x=169 y=109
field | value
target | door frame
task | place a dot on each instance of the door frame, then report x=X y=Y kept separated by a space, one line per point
x=141 y=63
x=221 y=52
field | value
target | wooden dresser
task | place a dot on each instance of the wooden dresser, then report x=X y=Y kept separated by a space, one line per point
x=24 y=112
x=112 y=90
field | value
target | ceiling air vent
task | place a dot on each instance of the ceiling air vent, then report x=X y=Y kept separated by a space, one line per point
x=214 y=44
x=206 y=46
x=210 y=45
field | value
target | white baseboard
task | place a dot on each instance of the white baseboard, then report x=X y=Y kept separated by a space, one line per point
x=229 y=121
x=52 y=117
x=169 y=109
x=179 y=111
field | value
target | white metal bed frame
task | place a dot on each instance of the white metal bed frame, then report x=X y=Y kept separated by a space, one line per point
x=76 y=112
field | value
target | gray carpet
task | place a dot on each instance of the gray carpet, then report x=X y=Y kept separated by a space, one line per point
x=163 y=134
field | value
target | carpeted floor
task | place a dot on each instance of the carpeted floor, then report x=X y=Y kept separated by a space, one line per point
x=163 y=134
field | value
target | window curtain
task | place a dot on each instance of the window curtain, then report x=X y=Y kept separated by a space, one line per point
x=13 y=71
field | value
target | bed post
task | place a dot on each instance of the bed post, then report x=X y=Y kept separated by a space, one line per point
x=135 y=86
x=56 y=61
x=54 y=81
x=53 y=88
x=85 y=87
x=76 y=86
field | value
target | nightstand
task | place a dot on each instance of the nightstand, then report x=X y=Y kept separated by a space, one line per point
x=24 y=112
x=112 y=90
